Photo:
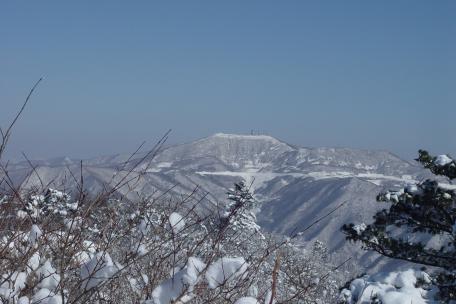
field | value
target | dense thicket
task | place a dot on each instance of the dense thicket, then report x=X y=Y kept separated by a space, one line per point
x=56 y=248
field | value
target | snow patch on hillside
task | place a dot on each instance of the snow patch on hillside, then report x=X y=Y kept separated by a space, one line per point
x=259 y=179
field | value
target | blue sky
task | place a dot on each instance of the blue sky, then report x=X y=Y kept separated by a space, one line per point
x=362 y=74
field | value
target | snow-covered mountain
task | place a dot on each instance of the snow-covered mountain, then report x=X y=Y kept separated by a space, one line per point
x=295 y=185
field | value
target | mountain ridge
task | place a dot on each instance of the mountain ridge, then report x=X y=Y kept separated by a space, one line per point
x=294 y=185
x=59 y=160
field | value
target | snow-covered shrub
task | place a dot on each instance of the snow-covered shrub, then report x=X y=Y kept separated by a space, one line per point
x=410 y=286
x=150 y=251
x=51 y=202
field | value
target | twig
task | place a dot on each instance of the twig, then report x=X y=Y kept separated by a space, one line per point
x=6 y=134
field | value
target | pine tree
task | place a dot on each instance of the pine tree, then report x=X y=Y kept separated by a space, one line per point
x=237 y=222
x=239 y=211
x=417 y=213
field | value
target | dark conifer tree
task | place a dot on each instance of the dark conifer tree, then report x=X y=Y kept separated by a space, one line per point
x=417 y=213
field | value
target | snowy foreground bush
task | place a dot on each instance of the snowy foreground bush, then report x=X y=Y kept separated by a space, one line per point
x=57 y=248
x=419 y=227
x=402 y=287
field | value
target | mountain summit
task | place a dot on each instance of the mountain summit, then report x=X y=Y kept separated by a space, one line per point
x=230 y=150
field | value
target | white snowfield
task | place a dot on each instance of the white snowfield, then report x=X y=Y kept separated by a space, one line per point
x=259 y=179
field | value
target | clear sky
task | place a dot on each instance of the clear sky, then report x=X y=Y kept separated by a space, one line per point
x=362 y=74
